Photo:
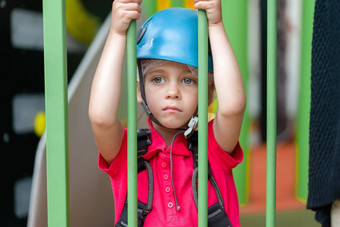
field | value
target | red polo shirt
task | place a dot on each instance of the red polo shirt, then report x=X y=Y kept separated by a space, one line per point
x=164 y=211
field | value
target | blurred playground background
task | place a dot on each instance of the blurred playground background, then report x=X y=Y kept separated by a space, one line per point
x=22 y=156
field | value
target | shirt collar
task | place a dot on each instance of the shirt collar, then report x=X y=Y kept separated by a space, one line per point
x=158 y=144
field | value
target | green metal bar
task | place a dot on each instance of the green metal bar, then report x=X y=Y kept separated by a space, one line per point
x=57 y=163
x=203 y=119
x=131 y=56
x=304 y=100
x=271 y=113
x=235 y=18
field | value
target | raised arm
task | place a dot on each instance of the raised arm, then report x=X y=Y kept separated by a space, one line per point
x=106 y=85
x=227 y=77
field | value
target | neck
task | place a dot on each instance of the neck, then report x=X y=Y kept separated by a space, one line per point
x=166 y=133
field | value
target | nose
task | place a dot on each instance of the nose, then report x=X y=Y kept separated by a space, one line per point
x=173 y=91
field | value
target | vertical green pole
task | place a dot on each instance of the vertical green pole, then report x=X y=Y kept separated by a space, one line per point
x=304 y=99
x=235 y=18
x=203 y=119
x=271 y=113
x=132 y=123
x=57 y=163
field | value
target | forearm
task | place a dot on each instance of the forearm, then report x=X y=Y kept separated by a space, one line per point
x=106 y=85
x=105 y=95
x=227 y=75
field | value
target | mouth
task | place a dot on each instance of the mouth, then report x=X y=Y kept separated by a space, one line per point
x=171 y=109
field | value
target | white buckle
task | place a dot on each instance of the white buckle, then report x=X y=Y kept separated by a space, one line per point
x=192 y=126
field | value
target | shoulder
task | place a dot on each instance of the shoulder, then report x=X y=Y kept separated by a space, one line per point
x=220 y=158
x=118 y=163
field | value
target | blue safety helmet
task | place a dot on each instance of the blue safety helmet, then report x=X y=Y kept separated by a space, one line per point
x=171 y=34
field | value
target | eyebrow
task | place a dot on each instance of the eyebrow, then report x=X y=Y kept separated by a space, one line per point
x=154 y=71
x=159 y=70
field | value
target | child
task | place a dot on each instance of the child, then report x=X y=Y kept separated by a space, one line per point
x=167 y=88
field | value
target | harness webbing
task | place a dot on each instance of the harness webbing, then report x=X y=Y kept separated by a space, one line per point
x=216 y=214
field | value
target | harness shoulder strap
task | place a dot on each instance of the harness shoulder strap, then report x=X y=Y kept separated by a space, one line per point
x=193 y=146
x=143 y=141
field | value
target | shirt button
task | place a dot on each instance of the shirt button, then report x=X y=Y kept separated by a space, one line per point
x=170 y=205
x=166 y=177
x=163 y=164
x=167 y=189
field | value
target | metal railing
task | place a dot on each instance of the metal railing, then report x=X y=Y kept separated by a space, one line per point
x=203 y=116
x=57 y=164
x=271 y=113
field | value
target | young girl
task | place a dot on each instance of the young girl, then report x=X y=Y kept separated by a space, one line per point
x=167 y=88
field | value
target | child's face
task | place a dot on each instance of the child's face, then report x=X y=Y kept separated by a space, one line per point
x=171 y=93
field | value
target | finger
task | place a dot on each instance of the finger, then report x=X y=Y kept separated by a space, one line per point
x=132 y=14
x=196 y=1
x=128 y=7
x=204 y=5
x=201 y=5
x=131 y=1
x=132 y=7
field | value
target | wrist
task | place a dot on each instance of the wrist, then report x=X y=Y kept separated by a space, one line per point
x=117 y=34
x=216 y=23
x=216 y=26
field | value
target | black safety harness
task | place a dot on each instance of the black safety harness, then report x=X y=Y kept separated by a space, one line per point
x=217 y=217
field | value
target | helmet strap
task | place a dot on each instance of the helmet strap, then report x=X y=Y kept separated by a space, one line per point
x=141 y=83
x=142 y=91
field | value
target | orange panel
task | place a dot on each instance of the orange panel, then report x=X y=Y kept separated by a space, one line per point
x=163 y=4
x=189 y=4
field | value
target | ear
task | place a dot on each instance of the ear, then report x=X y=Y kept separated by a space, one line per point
x=139 y=95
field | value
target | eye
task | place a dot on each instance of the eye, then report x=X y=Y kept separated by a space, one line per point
x=188 y=81
x=157 y=79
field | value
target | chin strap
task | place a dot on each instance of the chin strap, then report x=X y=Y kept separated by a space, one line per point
x=142 y=91
x=148 y=112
